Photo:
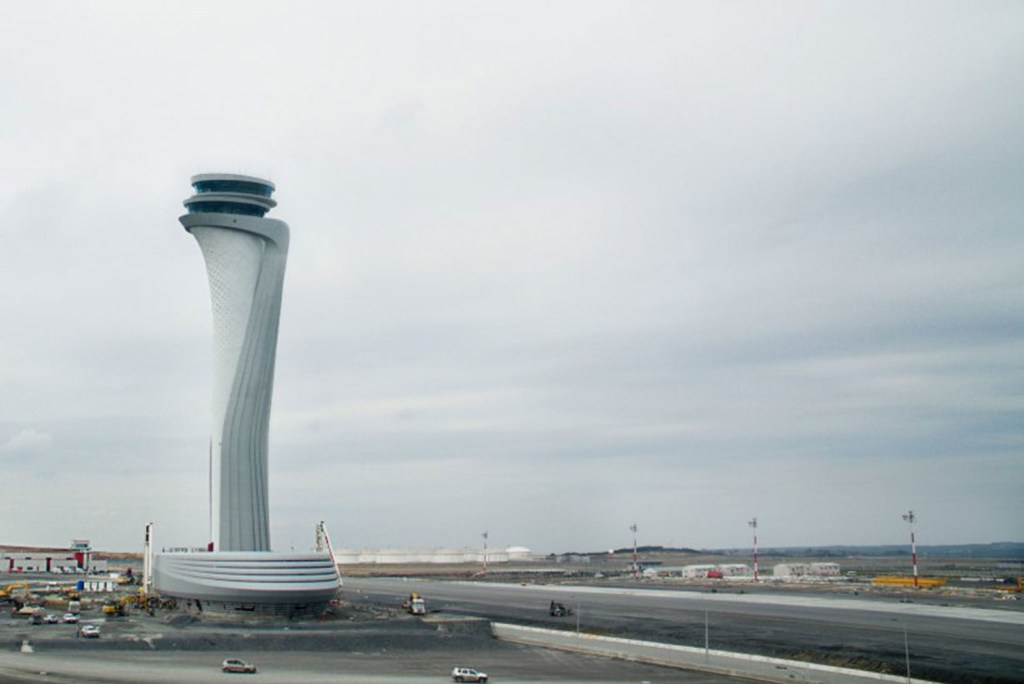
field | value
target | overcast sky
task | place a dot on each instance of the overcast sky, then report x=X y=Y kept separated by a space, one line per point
x=556 y=268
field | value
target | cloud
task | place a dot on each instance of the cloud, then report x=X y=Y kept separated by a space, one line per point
x=602 y=262
x=29 y=441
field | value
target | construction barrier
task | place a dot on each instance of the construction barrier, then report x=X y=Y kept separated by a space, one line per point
x=922 y=582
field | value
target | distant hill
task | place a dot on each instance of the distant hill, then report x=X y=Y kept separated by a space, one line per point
x=33 y=549
x=991 y=551
x=63 y=551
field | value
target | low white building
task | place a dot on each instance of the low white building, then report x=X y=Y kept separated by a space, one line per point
x=107 y=584
x=796 y=570
x=48 y=562
x=788 y=570
x=697 y=571
x=570 y=557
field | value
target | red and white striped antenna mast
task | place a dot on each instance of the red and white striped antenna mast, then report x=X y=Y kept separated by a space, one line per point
x=753 y=525
x=910 y=518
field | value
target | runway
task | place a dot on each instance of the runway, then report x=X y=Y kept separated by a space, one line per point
x=944 y=643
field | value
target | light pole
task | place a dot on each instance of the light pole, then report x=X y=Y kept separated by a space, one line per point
x=636 y=566
x=706 y=645
x=906 y=651
x=753 y=524
x=910 y=518
x=484 y=535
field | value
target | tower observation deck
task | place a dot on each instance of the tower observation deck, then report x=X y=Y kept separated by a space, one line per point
x=226 y=193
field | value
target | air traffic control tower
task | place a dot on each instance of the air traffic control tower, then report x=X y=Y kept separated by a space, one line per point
x=245 y=255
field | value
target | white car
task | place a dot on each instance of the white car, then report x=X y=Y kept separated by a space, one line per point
x=70 y=618
x=90 y=632
x=235 y=665
x=468 y=674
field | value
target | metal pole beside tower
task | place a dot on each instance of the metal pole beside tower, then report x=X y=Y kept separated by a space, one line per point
x=577 y=616
x=906 y=652
x=484 y=535
x=147 y=561
x=636 y=565
x=706 y=642
x=323 y=541
x=753 y=524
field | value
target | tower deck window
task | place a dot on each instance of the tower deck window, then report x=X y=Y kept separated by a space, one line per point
x=225 y=208
x=224 y=185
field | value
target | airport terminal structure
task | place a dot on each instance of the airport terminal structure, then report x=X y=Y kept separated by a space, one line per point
x=245 y=255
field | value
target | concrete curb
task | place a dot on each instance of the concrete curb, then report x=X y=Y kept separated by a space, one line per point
x=754 y=667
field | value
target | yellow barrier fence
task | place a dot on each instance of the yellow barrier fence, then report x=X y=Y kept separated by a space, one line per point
x=922 y=582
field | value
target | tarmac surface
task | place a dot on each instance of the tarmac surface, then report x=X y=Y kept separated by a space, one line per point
x=398 y=648
x=946 y=639
x=963 y=641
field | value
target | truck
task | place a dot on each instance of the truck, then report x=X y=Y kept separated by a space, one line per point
x=74 y=607
x=415 y=605
x=559 y=609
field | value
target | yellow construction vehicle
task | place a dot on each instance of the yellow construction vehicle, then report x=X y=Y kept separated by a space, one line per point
x=8 y=591
x=119 y=607
x=124 y=604
x=144 y=601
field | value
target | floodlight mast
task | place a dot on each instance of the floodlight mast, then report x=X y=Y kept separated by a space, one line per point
x=323 y=540
x=636 y=565
x=147 y=561
x=753 y=524
x=910 y=519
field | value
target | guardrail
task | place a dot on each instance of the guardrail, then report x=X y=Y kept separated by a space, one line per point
x=747 y=666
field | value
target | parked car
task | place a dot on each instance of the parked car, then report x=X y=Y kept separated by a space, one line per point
x=70 y=618
x=51 y=619
x=90 y=632
x=468 y=674
x=235 y=665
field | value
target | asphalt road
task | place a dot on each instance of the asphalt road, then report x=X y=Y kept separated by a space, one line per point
x=508 y=666
x=369 y=648
x=945 y=643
